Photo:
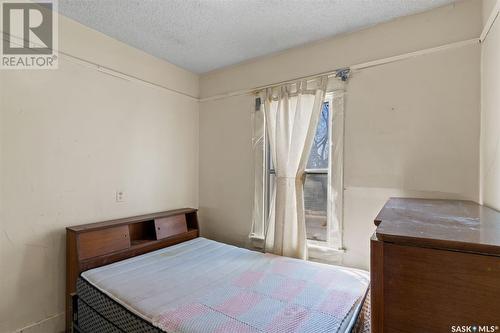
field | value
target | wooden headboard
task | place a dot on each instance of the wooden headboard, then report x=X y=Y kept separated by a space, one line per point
x=97 y=244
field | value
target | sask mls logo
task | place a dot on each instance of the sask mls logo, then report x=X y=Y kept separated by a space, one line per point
x=29 y=35
x=475 y=328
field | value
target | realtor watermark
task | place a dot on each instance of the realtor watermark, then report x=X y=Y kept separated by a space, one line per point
x=474 y=328
x=29 y=30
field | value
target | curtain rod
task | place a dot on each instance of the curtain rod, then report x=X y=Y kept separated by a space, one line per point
x=353 y=68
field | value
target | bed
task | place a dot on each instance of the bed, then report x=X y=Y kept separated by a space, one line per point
x=200 y=285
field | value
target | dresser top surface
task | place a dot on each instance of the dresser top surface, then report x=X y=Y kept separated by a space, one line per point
x=445 y=224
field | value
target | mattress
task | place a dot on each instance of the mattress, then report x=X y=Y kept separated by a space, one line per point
x=206 y=286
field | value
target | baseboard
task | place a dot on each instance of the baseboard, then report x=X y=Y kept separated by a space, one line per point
x=52 y=324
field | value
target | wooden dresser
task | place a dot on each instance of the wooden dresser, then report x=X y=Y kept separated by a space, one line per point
x=435 y=267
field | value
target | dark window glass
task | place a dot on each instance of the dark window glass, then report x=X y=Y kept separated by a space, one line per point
x=315 y=205
x=318 y=158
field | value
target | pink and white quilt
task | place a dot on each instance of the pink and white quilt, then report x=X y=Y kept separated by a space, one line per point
x=206 y=286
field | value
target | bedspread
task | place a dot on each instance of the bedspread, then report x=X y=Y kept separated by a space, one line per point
x=206 y=286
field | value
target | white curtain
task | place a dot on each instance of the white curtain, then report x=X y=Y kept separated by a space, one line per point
x=292 y=113
x=332 y=251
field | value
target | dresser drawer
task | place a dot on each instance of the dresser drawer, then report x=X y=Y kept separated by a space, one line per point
x=169 y=226
x=99 y=242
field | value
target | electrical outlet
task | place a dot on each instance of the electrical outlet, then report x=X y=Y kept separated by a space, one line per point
x=120 y=196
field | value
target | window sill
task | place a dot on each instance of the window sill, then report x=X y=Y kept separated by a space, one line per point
x=325 y=254
x=317 y=252
x=256 y=237
x=256 y=242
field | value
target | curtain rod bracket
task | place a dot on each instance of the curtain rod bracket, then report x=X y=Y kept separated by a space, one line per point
x=343 y=74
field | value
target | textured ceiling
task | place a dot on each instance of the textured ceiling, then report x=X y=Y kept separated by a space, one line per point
x=203 y=35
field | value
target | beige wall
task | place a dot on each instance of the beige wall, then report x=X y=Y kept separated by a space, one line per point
x=490 y=117
x=226 y=170
x=488 y=6
x=69 y=138
x=453 y=23
x=412 y=127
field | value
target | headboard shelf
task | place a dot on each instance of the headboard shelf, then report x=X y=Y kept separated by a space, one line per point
x=97 y=244
x=129 y=220
x=141 y=232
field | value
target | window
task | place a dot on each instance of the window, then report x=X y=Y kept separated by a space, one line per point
x=316 y=182
x=323 y=185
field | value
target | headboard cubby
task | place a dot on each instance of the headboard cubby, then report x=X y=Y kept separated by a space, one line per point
x=97 y=244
